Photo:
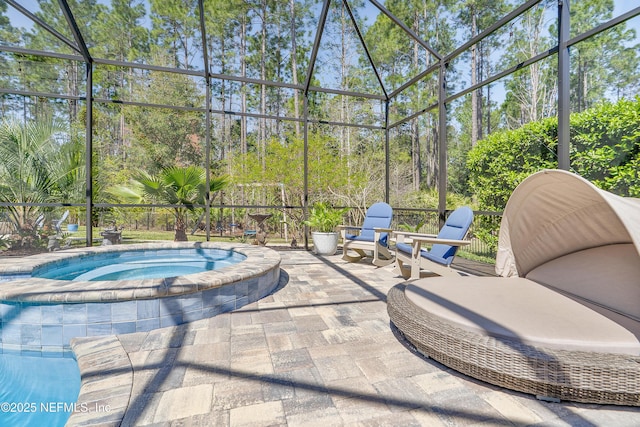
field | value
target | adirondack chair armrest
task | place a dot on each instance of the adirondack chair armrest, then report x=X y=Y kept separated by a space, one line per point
x=420 y=238
x=383 y=230
x=344 y=228
x=377 y=231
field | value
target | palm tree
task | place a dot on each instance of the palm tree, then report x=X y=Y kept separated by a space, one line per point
x=35 y=167
x=182 y=186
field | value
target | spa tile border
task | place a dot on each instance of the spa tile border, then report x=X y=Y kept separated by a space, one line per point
x=260 y=261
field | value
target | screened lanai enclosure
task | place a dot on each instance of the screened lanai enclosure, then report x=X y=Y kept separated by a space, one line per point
x=267 y=107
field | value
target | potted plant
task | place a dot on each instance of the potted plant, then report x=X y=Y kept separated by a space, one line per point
x=324 y=219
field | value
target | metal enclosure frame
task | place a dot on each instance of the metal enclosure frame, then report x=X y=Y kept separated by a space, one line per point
x=78 y=45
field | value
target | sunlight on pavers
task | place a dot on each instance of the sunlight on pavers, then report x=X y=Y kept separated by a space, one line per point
x=262 y=414
x=184 y=402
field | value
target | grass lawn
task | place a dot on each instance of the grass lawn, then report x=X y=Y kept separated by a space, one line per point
x=143 y=236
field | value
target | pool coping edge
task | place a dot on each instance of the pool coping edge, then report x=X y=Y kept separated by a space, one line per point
x=106 y=384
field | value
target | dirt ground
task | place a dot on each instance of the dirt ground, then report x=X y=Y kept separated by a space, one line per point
x=22 y=251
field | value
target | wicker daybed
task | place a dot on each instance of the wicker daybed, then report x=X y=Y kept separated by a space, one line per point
x=565 y=322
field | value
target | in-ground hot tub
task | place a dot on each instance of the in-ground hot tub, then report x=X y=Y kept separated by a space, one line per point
x=41 y=314
x=139 y=264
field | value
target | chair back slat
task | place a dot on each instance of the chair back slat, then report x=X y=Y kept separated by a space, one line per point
x=378 y=215
x=456 y=228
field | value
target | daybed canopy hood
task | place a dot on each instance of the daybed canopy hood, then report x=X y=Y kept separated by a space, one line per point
x=554 y=213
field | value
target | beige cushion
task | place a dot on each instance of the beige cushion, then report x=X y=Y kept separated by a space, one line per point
x=606 y=275
x=553 y=213
x=522 y=310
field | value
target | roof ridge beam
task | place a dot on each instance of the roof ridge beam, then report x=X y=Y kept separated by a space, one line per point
x=44 y=25
x=68 y=15
x=366 y=50
x=498 y=24
x=316 y=44
x=203 y=32
x=406 y=29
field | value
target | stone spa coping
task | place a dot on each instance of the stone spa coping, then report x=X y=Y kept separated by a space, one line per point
x=23 y=288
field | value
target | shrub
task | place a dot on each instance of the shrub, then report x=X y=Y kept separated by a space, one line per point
x=605 y=149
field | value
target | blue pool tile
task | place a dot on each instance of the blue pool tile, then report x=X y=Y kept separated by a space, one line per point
x=98 y=329
x=30 y=334
x=169 y=306
x=174 y=320
x=31 y=314
x=123 y=327
x=210 y=297
x=253 y=285
x=10 y=311
x=51 y=314
x=73 y=314
x=148 y=309
x=147 y=325
x=242 y=301
x=52 y=335
x=227 y=293
x=124 y=311
x=228 y=306
x=53 y=350
x=11 y=333
x=46 y=353
x=11 y=348
x=72 y=331
x=98 y=312
x=192 y=316
x=191 y=303
x=211 y=311
x=241 y=288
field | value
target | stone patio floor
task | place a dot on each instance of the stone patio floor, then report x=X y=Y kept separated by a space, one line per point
x=320 y=352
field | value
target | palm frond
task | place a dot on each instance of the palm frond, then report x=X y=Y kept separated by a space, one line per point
x=126 y=194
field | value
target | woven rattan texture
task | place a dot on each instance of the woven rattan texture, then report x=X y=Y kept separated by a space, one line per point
x=567 y=375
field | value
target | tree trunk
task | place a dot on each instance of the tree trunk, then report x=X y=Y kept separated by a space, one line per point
x=415 y=132
x=223 y=117
x=72 y=89
x=243 y=95
x=294 y=66
x=431 y=138
x=343 y=80
x=181 y=235
x=263 y=88
x=180 y=228
x=474 y=80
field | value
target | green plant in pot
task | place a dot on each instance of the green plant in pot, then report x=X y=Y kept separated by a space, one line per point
x=323 y=220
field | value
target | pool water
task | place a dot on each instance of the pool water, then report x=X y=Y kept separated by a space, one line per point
x=37 y=391
x=131 y=265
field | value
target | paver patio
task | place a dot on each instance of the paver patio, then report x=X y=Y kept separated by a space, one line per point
x=320 y=351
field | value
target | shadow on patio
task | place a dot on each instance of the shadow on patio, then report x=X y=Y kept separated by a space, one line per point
x=319 y=351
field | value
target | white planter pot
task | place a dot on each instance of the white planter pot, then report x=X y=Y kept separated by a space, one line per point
x=325 y=243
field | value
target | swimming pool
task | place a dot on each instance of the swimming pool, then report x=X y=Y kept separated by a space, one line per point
x=38 y=391
x=41 y=314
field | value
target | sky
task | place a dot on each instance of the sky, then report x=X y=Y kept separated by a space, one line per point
x=369 y=12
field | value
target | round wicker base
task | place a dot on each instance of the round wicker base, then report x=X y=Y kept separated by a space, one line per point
x=578 y=376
